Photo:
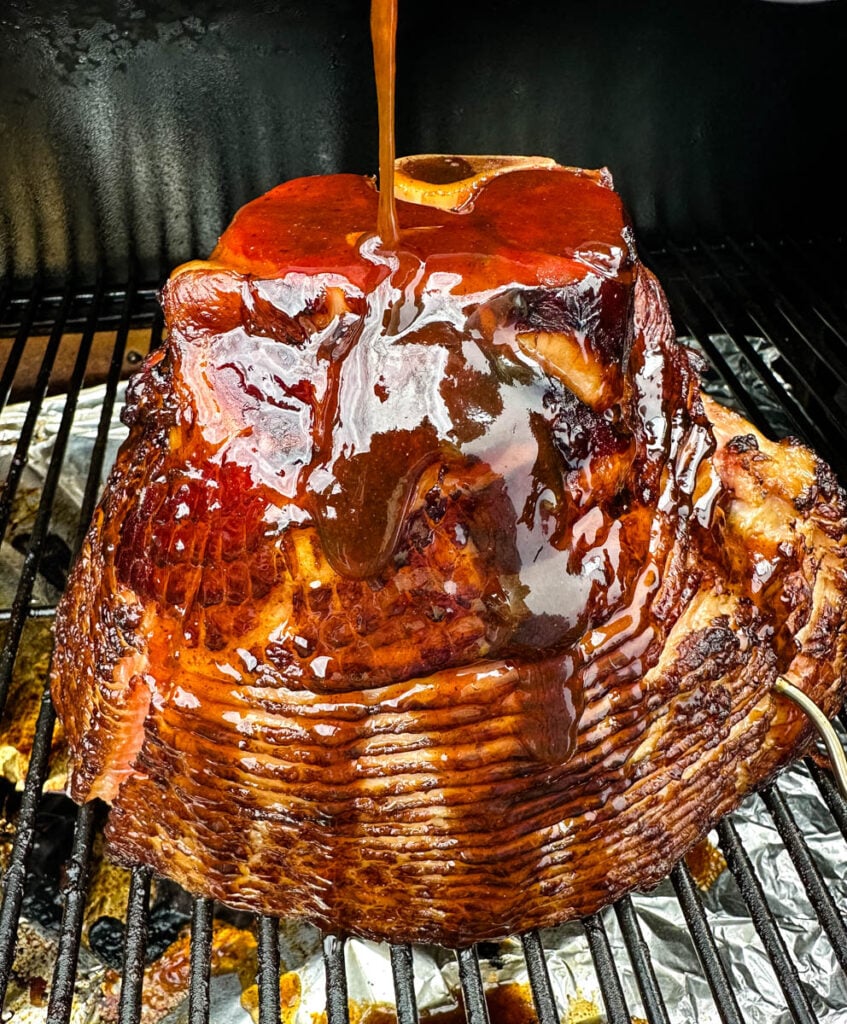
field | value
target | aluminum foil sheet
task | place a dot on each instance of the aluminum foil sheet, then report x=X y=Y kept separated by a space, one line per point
x=302 y=987
x=713 y=385
x=66 y=508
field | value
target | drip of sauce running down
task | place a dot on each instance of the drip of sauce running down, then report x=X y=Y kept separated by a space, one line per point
x=384 y=36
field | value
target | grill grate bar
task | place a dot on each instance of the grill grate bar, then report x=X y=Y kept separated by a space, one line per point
x=825 y=311
x=21 y=456
x=704 y=943
x=268 y=964
x=728 y=322
x=779 y=312
x=73 y=910
x=403 y=972
x=823 y=314
x=16 y=875
x=337 y=1008
x=13 y=884
x=37 y=769
x=135 y=946
x=539 y=978
x=35 y=547
x=819 y=896
x=473 y=993
x=199 y=997
x=799 y=378
x=754 y=896
x=18 y=346
x=684 y=312
x=61 y=992
x=829 y=791
x=798 y=356
x=36 y=611
x=639 y=955
x=146 y=305
x=606 y=970
x=98 y=452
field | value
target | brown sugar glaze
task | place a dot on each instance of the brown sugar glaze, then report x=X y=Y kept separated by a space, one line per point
x=415 y=415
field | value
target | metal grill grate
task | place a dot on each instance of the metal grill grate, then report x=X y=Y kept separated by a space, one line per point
x=789 y=294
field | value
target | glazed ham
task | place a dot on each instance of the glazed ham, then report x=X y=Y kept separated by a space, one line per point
x=428 y=599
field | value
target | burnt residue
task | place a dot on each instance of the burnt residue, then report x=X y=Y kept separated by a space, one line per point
x=44 y=889
x=55 y=561
x=122 y=86
x=743 y=443
x=166 y=921
x=53 y=836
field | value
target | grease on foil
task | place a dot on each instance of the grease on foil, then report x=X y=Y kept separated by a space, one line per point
x=234 y=993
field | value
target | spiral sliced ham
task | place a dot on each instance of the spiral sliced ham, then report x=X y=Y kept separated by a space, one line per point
x=428 y=599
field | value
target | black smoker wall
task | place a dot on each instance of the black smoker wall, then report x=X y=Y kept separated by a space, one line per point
x=134 y=129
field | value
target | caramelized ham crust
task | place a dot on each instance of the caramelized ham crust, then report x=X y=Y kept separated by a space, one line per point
x=428 y=599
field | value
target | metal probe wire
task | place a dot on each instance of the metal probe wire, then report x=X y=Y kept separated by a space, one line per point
x=830 y=737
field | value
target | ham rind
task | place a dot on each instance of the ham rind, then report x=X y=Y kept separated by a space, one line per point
x=428 y=599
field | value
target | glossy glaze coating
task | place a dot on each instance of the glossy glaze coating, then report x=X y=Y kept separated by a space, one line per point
x=426 y=599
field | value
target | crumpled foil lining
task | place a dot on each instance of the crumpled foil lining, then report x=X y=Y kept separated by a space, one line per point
x=69 y=494
x=713 y=385
x=370 y=986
